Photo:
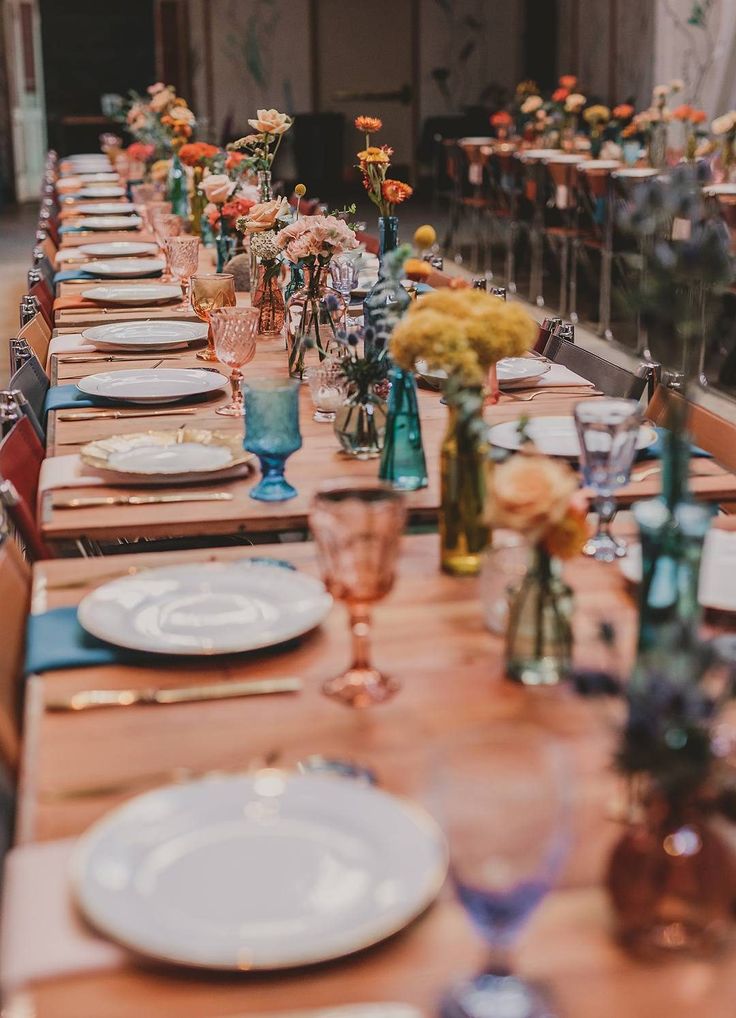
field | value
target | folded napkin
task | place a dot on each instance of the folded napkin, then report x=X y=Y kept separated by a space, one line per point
x=70 y=254
x=71 y=343
x=66 y=472
x=656 y=451
x=43 y=936
x=62 y=397
x=55 y=640
x=558 y=375
x=75 y=303
x=67 y=275
x=69 y=228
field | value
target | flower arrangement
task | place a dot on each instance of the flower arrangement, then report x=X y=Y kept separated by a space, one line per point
x=316 y=238
x=269 y=127
x=162 y=118
x=462 y=332
x=502 y=122
x=141 y=152
x=374 y=163
x=199 y=153
x=236 y=207
x=693 y=121
x=724 y=128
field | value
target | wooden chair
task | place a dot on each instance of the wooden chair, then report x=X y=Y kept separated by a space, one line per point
x=15 y=592
x=45 y=299
x=49 y=248
x=38 y=336
x=715 y=434
x=609 y=378
x=31 y=379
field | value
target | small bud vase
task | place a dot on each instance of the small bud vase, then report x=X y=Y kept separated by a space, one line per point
x=360 y=425
x=463 y=468
x=269 y=299
x=403 y=463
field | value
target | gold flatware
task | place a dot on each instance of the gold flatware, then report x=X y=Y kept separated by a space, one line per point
x=551 y=390
x=92 y=359
x=101 y=415
x=91 y=501
x=88 y=699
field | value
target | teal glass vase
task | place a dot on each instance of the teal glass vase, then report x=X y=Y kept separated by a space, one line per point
x=403 y=463
x=177 y=188
x=224 y=244
x=383 y=293
x=296 y=280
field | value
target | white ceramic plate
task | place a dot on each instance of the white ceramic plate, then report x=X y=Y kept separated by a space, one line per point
x=205 y=608
x=263 y=871
x=99 y=178
x=147 y=335
x=554 y=436
x=125 y=268
x=117 y=249
x=178 y=456
x=152 y=385
x=153 y=293
x=714 y=190
x=101 y=191
x=510 y=371
x=600 y=164
x=717 y=583
x=109 y=222
x=105 y=208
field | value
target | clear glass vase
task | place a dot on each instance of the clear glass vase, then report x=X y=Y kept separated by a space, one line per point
x=313 y=316
x=539 y=632
x=463 y=469
x=403 y=463
x=360 y=425
x=269 y=299
x=265 y=191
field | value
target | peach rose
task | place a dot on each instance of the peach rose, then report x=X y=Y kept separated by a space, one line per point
x=182 y=115
x=263 y=216
x=532 y=104
x=530 y=493
x=217 y=187
x=161 y=100
x=271 y=122
x=575 y=102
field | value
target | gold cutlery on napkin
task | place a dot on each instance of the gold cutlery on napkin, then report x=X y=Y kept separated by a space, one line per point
x=87 y=699
x=551 y=390
x=97 y=415
x=91 y=501
x=102 y=358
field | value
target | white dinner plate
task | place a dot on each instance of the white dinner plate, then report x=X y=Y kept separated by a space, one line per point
x=143 y=293
x=152 y=385
x=99 y=178
x=717 y=581
x=185 y=455
x=510 y=371
x=261 y=871
x=117 y=249
x=159 y=335
x=109 y=223
x=205 y=608
x=554 y=436
x=101 y=191
x=125 y=268
x=105 y=208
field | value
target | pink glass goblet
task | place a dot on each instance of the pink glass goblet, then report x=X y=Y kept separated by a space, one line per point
x=234 y=331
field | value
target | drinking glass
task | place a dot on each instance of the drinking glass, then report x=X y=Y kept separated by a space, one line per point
x=357 y=526
x=272 y=433
x=344 y=274
x=166 y=225
x=502 y=797
x=183 y=255
x=234 y=331
x=210 y=291
x=142 y=193
x=328 y=388
x=608 y=430
x=150 y=208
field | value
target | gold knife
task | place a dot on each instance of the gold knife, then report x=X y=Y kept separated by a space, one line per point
x=99 y=415
x=87 y=699
x=92 y=501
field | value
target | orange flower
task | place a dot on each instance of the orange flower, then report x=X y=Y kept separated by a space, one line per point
x=368 y=125
x=195 y=153
x=568 y=81
x=560 y=94
x=630 y=130
x=394 y=191
x=682 y=112
x=501 y=119
x=233 y=160
x=624 y=111
x=375 y=155
x=415 y=268
x=567 y=537
x=698 y=116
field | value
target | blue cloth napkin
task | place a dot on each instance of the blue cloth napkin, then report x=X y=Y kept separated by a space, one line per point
x=63 y=397
x=656 y=451
x=68 y=228
x=65 y=275
x=55 y=639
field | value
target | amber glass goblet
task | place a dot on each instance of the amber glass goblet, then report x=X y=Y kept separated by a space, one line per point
x=234 y=331
x=182 y=254
x=210 y=291
x=357 y=526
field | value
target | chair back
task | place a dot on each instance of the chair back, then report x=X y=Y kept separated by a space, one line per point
x=717 y=435
x=609 y=378
x=15 y=593
x=38 y=336
x=33 y=382
x=21 y=456
x=49 y=248
x=45 y=300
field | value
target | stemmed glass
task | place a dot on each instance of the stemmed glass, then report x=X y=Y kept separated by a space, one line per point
x=608 y=430
x=272 y=433
x=209 y=291
x=182 y=254
x=328 y=388
x=344 y=274
x=502 y=797
x=166 y=225
x=357 y=526
x=234 y=331
x=150 y=208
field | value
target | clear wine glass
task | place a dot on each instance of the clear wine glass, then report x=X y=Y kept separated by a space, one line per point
x=344 y=274
x=150 y=208
x=183 y=257
x=209 y=291
x=357 y=526
x=502 y=796
x=234 y=331
x=608 y=430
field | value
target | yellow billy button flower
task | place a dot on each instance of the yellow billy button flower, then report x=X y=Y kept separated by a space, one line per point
x=300 y=190
x=425 y=236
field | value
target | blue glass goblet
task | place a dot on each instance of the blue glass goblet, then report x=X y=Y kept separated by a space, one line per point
x=272 y=433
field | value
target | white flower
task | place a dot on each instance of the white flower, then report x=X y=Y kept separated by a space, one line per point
x=724 y=123
x=677 y=84
x=661 y=91
x=264 y=245
x=182 y=115
x=217 y=187
x=575 y=102
x=531 y=104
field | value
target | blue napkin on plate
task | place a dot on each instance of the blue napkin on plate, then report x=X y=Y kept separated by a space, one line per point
x=63 y=397
x=656 y=451
x=68 y=228
x=55 y=639
x=66 y=275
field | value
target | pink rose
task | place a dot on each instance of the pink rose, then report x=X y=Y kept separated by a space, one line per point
x=155 y=89
x=217 y=187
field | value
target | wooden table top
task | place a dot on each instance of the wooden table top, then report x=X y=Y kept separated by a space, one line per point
x=451 y=679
